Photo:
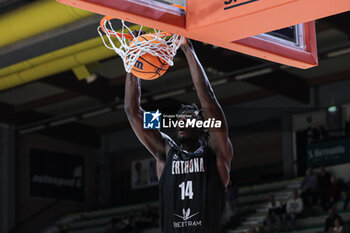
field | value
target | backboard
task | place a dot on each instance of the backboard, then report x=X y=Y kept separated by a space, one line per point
x=233 y=24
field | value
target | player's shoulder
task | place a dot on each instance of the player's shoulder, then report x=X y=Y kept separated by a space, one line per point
x=168 y=139
x=168 y=143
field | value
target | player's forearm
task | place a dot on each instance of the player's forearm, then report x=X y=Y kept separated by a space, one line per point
x=200 y=80
x=210 y=105
x=132 y=94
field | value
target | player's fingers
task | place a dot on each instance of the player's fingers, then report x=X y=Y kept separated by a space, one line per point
x=135 y=33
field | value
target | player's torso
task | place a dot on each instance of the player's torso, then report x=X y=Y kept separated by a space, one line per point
x=191 y=193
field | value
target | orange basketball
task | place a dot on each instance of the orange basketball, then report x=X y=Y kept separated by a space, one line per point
x=147 y=66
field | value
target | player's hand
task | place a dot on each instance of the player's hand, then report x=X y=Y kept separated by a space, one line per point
x=137 y=33
x=187 y=44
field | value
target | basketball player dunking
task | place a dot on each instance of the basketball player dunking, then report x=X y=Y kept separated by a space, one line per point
x=192 y=174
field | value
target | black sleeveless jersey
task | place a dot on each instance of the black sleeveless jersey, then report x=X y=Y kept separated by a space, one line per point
x=192 y=196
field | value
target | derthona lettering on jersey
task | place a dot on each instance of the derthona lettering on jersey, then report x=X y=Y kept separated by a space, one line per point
x=188 y=166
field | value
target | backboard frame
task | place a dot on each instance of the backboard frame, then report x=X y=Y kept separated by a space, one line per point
x=303 y=57
x=172 y=19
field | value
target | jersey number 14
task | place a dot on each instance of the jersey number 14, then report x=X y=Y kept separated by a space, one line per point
x=186 y=190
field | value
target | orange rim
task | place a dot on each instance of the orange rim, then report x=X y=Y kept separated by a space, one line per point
x=126 y=35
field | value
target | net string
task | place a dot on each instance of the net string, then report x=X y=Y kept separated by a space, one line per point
x=165 y=47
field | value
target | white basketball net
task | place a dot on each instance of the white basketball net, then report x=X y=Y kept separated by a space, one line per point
x=162 y=45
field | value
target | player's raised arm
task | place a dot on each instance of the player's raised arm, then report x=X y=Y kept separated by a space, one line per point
x=219 y=141
x=155 y=141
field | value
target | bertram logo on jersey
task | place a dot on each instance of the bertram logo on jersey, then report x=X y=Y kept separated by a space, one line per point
x=157 y=120
x=186 y=217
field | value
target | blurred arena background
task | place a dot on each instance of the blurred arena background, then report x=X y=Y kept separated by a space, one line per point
x=69 y=161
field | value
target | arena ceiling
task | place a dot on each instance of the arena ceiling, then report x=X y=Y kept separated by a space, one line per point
x=60 y=102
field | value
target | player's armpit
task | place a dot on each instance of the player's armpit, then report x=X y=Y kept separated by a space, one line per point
x=155 y=141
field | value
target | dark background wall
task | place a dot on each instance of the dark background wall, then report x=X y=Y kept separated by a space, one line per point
x=257 y=158
x=122 y=192
x=43 y=210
